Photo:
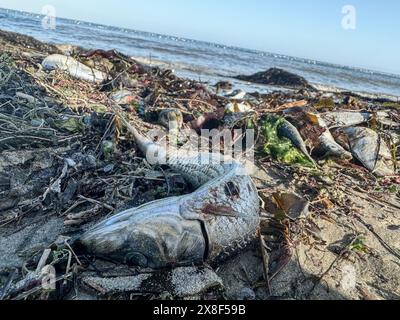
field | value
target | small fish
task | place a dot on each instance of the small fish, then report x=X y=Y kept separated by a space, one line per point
x=367 y=146
x=327 y=144
x=385 y=119
x=339 y=119
x=287 y=130
x=74 y=68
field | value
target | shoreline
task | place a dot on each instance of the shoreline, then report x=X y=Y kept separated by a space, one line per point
x=355 y=68
x=223 y=61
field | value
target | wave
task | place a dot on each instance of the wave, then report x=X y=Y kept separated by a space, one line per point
x=198 y=57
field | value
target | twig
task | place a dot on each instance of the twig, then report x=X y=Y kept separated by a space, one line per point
x=339 y=257
x=97 y=202
x=286 y=106
x=43 y=260
x=197 y=100
x=371 y=229
x=76 y=204
x=68 y=266
x=6 y=287
x=73 y=252
x=38 y=288
x=265 y=261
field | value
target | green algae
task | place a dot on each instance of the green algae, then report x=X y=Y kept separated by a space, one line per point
x=392 y=105
x=281 y=148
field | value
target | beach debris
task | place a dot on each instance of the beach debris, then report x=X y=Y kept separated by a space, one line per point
x=236 y=107
x=325 y=103
x=393 y=137
x=277 y=77
x=74 y=68
x=69 y=124
x=103 y=178
x=293 y=104
x=26 y=97
x=223 y=86
x=283 y=140
x=287 y=130
x=25 y=41
x=68 y=49
x=388 y=120
x=179 y=231
x=171 y=119
x=123 y=97
x=326 y=146
x=247 y=294
x=236 y=95
x=5 y=181
x=339 y=119
x=292 y=205
x=208 y=121
x=370 y=149
x=107 y=149
x=352 y=102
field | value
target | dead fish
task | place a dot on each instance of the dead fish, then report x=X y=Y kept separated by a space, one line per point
x=385 y=119
x=394 y=137
x=287 y=130
x=221 y=217
x=345 y=118
x=74 y=68
x=367 y=146
x=327 y=144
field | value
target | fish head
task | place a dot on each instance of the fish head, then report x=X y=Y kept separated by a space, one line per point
x=152 y=237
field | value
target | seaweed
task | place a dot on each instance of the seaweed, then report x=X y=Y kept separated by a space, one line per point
x=281 y=148
x=325 y=103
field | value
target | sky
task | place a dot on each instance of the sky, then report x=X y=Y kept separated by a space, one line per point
x=310 y=29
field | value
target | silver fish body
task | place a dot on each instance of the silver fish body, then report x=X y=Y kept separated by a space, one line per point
x=328 y=146
x=367 y=146
x=339 y=119
x=217 y=219
x=287 y=130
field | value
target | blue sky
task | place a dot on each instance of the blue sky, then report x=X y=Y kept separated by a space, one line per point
x=303 y=28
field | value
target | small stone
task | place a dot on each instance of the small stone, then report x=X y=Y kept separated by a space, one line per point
x=192 y=281
x=109 y=168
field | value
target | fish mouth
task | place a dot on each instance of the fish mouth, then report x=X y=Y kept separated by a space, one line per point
x=150 y=238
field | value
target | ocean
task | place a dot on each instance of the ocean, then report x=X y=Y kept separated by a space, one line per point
x=204 y=61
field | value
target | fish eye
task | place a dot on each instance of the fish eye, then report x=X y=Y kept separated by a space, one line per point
x=136 y=259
